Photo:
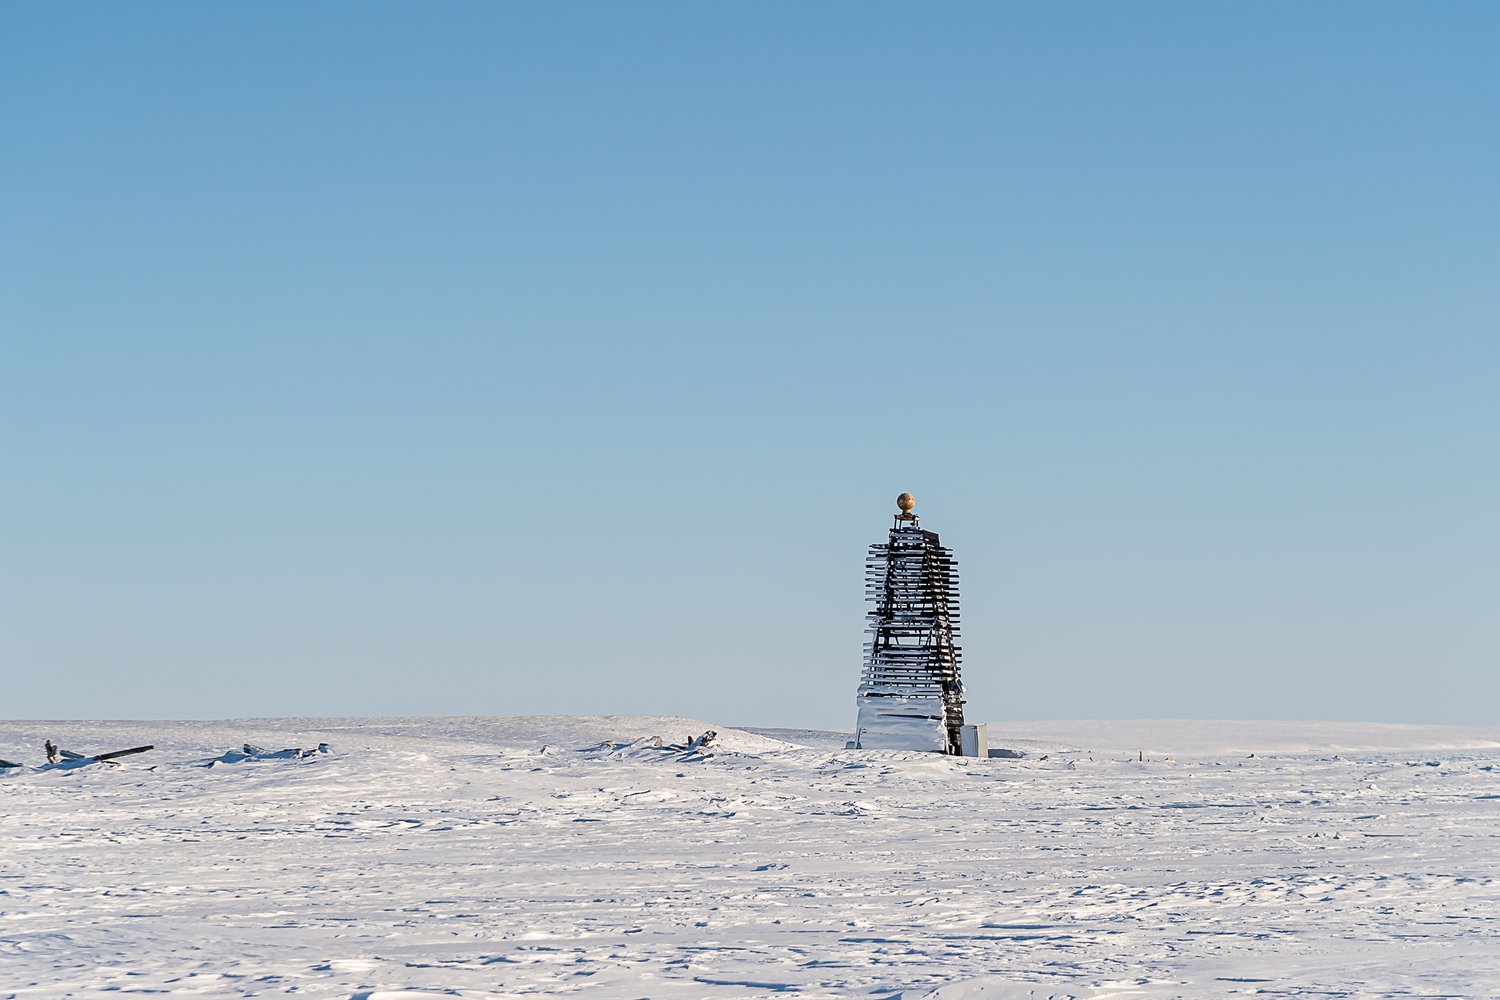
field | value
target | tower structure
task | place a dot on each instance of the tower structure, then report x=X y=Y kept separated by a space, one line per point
x=911 y=696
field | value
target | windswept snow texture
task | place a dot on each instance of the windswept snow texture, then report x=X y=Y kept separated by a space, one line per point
x=503 y=857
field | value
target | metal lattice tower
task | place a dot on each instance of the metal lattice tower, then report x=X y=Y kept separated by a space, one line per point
x=910 y=694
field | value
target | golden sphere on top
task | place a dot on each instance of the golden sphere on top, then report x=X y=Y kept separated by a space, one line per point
x=906 y=502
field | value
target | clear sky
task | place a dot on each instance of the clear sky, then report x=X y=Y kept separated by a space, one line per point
x=493 y=358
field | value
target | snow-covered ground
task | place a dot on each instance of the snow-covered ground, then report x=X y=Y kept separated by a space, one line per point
x=496 y=857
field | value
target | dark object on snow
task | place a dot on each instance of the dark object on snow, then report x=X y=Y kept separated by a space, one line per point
x=250 y=751
x=8 y=763
x=690 y=749
x=123 y=753
x=70 y=759
x=290 y=753
x=51 y=749
x=1007 y=754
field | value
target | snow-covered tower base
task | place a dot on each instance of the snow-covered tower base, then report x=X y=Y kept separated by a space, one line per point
x=910 y=693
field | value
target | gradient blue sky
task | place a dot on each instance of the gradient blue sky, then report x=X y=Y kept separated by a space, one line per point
x=475 y=358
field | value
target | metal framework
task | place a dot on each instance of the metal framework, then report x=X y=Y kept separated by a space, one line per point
x=910 y=694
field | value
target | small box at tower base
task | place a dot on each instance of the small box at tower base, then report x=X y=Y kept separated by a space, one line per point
x=911 y=696
x=975 y=740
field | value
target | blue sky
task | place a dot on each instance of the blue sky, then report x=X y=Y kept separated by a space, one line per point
x=520 y=358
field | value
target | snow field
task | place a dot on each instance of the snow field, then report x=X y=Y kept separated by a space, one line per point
x=503 y=857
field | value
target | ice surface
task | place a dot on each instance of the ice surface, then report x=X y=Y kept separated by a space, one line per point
x=490 y=857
